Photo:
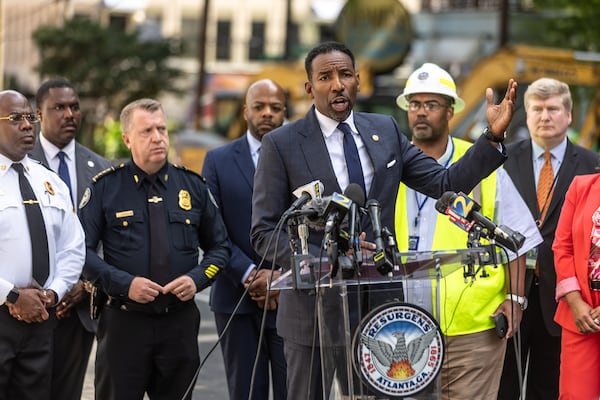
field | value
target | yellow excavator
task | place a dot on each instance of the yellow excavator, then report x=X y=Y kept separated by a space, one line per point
x=580 y=70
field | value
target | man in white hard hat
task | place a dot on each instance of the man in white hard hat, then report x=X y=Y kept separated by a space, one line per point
x=474 y=353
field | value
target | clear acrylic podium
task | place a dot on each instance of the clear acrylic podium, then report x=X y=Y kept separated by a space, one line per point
x=378 y=334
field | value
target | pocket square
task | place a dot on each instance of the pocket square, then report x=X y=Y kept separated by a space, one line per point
x=391 y=164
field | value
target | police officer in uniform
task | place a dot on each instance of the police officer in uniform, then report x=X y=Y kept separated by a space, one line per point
x=42 y=251
x=152 y=217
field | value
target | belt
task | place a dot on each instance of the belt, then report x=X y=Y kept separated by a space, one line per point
x=150 y=308
x=595 y=285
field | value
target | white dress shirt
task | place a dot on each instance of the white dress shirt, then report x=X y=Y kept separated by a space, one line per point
x=51 y=153
x=66 y=244
x=334 y=140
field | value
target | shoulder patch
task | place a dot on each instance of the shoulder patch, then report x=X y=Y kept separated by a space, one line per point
x=183 y=168
x=85 y=198
x=107 y=171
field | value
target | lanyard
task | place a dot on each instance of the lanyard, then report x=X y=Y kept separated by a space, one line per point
x=420 y=205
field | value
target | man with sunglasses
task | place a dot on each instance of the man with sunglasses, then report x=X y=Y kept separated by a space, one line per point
x=474 y=354
x=42 y=251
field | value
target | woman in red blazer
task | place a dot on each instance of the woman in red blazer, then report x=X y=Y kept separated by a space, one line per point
x=577 y=260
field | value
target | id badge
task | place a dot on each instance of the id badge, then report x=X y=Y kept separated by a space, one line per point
x=413 y=243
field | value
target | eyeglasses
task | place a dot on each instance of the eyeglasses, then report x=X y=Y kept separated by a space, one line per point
x=19 y=117
x=433 y=105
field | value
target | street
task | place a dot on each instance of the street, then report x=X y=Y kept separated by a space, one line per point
x=211 y=383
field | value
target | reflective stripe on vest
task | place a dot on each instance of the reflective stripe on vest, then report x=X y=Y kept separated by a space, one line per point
x=465 y=307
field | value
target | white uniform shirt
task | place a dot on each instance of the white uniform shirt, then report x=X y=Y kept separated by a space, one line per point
x=66 y=242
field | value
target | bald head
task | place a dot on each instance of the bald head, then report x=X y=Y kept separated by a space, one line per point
x=264 y=109
x=16 y=137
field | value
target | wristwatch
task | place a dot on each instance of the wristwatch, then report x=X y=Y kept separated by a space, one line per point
x=12 y=296
x=521 y=300
x=487 y=132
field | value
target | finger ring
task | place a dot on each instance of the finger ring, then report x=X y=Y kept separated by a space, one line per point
x=64 y=303
x=597 y=321
x=18 y=317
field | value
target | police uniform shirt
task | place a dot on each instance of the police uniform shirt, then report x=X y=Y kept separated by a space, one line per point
x=114 y=210
x=66 y=246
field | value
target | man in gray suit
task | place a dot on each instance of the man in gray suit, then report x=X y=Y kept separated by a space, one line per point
x=58 y=109
x=312 y=148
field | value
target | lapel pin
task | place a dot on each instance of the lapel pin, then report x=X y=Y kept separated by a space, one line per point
x=91 y=164
x=375 y=137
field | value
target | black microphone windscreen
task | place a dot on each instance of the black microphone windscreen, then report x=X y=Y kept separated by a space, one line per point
x=372 y=202
x=355 y=193
x=441 y=205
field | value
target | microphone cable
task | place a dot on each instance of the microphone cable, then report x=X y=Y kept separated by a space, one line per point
x=275 y=234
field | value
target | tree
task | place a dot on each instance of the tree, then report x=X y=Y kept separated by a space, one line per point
x=572 y=24
x=110 y=67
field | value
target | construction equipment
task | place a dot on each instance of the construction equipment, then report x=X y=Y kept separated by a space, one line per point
x=580 y=70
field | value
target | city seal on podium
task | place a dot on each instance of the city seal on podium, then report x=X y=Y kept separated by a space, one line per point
x=398 y=349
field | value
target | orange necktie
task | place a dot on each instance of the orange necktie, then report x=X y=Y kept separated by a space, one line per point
x=545 y=186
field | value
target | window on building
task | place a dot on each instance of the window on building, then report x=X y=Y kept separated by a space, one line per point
x=223 y=40
x=326 y=33
x=150 y=29
x=190 y=31
x=257 y=41
x=118 y=22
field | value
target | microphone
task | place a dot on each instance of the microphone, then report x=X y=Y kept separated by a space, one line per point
x=320 y=213
x=464 y=212
x=336 y=210
x=382 y=262
x=355 y=193
x=305 y=193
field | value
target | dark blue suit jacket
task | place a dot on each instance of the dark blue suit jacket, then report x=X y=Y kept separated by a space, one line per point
x=519 y=165
x=296 y=154
x=229 y=173
x=87 y=165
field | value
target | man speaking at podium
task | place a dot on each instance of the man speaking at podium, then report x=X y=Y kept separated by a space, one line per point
x=314 y=148
x=474 y=354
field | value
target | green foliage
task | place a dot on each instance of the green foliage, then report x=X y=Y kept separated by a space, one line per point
x=105 y=63
x=110 y=68
x=572 y=24
x=108 y=141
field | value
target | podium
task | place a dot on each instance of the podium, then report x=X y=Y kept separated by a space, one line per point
x=378 y=334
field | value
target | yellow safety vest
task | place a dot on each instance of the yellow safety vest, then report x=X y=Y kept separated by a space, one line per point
x=464 y=307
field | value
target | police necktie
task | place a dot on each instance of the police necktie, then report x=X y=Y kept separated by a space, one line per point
x=159 y=244
x=63 y=172
x=545 y=186
x=40 y=266
x=355 y=173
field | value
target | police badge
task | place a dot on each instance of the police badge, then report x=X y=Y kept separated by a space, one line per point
x=185 y=200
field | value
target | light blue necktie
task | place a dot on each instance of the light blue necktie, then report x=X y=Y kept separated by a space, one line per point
x=355 y=172
x=63 y=172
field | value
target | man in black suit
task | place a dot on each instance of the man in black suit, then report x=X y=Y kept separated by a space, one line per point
x=229 y=173
x=311 y=148
x=548 y=105
x=58 y=109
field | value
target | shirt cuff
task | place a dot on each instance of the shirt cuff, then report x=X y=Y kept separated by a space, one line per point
x=245 y=276
x=565 y=286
